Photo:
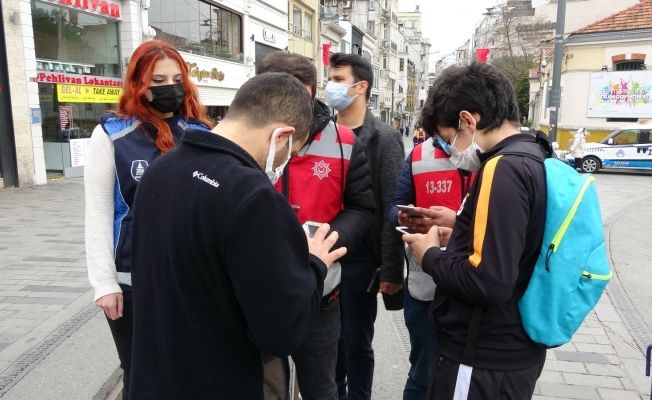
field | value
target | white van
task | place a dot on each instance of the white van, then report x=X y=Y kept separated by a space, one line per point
x=627 y=148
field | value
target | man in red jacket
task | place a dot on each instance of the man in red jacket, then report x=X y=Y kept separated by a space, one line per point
x=327 y=182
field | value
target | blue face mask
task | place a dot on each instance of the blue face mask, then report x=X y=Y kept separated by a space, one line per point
x=337 y=97
x=444 y=146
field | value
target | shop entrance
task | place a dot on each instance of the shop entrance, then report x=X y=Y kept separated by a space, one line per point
x=63 y=121
x=78 y=75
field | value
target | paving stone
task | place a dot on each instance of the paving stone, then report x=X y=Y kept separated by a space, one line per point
x=564 y=366
x=21 y=307
x=636 y=370
x=627 y=384
x=595 y=348
x=19 y=300
x=581 y=357
x=552 y=376
x=568 y=391
x=567 y=347
x=602 y=339
x=607 y=313
x=624 y=349
x=47 y=300
x=550 y=355
x=13 y=293
x=584 y=339
x=54 y=295
x=39 y=288
x=592 y=380
x=24 y=322
x=606 y=369
x=78 y=274
x=590 y=331
x=52 y=259
x=614 y=394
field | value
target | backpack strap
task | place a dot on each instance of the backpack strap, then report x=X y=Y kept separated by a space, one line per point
x=525 y=149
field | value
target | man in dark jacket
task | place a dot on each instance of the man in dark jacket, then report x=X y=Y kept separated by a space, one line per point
x=329 y=181
x=222 y=270
x=483 y=352
x=348 y=90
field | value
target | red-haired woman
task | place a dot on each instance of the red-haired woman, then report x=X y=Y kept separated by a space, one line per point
x=158 y=104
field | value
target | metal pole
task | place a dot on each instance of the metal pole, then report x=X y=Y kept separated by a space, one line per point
x=555 y=94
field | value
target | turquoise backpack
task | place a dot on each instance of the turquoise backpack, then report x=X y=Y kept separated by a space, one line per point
x=572 y=270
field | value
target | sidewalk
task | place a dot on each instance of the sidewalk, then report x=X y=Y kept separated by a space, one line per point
x=55 y=344
x=45 y=296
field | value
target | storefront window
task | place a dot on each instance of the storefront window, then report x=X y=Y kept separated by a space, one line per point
x=198 y=28
x=78 y=74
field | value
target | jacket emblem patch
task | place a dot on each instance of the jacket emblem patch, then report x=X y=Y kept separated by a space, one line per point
x=138 y=168
x=321 y=169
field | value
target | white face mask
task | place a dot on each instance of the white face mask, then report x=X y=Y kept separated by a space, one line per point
x=275 y=174
x=468 y=159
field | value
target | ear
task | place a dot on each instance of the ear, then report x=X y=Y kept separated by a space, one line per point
x=283 y=133
x=361 y=88
x=468 y=121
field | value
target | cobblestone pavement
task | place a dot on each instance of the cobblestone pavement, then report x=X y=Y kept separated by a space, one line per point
x=45 y=297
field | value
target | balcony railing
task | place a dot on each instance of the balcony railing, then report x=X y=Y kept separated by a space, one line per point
x=298 y=32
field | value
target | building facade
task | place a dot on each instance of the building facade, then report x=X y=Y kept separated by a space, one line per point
x=62 y=63
x=605 y=79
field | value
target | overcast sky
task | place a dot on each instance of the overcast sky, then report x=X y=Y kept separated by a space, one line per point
x=448 y=23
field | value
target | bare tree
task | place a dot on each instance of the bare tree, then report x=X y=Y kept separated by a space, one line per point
x=517 y=39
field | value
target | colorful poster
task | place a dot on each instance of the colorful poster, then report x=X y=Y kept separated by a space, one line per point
x=88 y=94
x=621 y=94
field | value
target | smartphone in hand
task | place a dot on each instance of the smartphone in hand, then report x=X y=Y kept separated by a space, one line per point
x=411 y=211
x=405 y=230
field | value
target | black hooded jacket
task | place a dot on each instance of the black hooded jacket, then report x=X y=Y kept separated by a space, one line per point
x=489 y=260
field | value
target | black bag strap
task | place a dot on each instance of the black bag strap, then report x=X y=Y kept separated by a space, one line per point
x=525 y=149
x=472 y=336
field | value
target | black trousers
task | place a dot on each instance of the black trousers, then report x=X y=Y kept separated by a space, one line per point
x=450 y=378
x=122 y=330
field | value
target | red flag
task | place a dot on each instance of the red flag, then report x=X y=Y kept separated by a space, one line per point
x=326 y=54
x=482 y=54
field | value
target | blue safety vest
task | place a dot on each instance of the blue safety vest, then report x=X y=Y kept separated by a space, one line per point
x=134 y=151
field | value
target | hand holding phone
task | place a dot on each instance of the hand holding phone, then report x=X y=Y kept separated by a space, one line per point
x=410 y=211
x=405 y=230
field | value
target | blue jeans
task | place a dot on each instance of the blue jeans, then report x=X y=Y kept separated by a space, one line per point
x=355 y=361
x=423 y=339
x=316 y=358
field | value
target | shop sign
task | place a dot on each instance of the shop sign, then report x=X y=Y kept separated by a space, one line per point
x=204 y=74
x=53 y=77
x=269 y=36
x=110 y=9
x=88 y=94
x=45 y=97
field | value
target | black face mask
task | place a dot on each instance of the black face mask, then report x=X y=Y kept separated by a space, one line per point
x=167 y=98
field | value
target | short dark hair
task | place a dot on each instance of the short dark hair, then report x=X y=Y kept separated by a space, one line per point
x=361 y=68
x=294 y=64
x=477 y=87
x=271 y=98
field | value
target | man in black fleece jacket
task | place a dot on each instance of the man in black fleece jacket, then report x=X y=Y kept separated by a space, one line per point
x=483 y=352
x=222 y=269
